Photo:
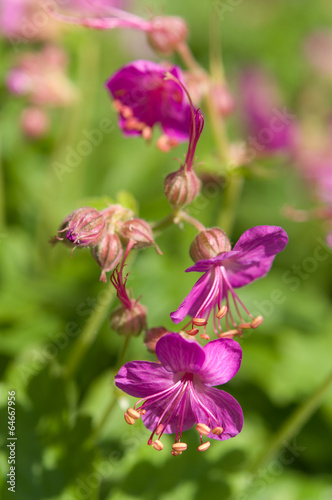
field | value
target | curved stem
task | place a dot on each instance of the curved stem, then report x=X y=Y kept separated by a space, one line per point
x=114 y=398
x=89 y=332
x=231 y=196
x=184 y=216
x=294 y=424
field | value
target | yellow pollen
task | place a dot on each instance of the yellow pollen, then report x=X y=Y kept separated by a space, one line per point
x=222 y=312
x=257 y=321
x=128 y=419
x=203 y=429
x=204 y=446
x=179 y=446
x=205 y=336
x=142 y=412
x=158 y=445
x=245 y=326
x=218 y=431
x=193 y=332
x=199 y=322
x=175 y=453
x=147 y=133
x=133 y=413
x=230 y=334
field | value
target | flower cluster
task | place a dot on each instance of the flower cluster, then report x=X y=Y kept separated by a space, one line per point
x=179 y=390
x=107 y=232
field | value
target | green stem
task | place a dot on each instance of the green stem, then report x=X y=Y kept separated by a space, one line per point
x=294 y=424
x=2 y=195
x=231 y=196
x=89 y=332
x=114 y=398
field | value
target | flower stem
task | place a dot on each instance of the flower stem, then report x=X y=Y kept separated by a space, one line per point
x=231 y=196
x=114 y=397
x=89 y=332
x=294 y=424
x=184 y=216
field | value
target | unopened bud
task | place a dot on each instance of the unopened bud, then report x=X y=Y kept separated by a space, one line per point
x=115 y=215
x=167 y=33
x=152 y=336
x=208 y=244
x=181 y=187
x=84 y=227
x=108 y=253
x=139 y=231
x=129 y=321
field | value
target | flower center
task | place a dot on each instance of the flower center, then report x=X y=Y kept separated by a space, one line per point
x=172 y=409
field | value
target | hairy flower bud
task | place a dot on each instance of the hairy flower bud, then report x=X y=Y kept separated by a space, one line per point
x=127 y=321
x=181 y=187
x=116 y=214
x=139 y=231
x=209 y=243
x=167 y=33
x=84 y=227
x=152 y=336
x=108 y=254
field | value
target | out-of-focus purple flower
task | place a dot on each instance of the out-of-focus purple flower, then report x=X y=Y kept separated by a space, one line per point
x=165 y=33
x=143 y=98
x=178 y=393
x=312 y=155
x=41 y=77
x=267 y=120
x=28 y=20
x=250 y=259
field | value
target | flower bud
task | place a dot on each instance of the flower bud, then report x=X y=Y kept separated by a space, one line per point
x=181 y=187
x=167 y=33
x=209 y=243
x=139 y=231
x=108 y=253
x=116 y=214
x=84 y=227
x=152 y=336
x=129 y=321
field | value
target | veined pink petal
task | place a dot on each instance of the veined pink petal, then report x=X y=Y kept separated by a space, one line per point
x=143 y=378
x=179 y=355
x=222 y=361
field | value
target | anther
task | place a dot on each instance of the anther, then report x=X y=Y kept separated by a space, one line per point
x=230 y=333
x=193 y=332
x=117 y=105
x=175 y=453
x=218 y=431
x=205 y=336
x=245 y=326
x=147 y=133
x=133 y=413
x=128 y=419
x=204 y=446
x=158 y=445
x=203 y=429
x=257 y=321
x=222 y=312
x=179 y=446
x=199 y=322
x=126 y=111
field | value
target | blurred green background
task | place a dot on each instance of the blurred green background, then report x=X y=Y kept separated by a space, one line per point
x=47 y=296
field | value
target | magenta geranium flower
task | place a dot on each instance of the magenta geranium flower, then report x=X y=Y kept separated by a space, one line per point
x=250 y=259
x=178 y=392
x=144 y=98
